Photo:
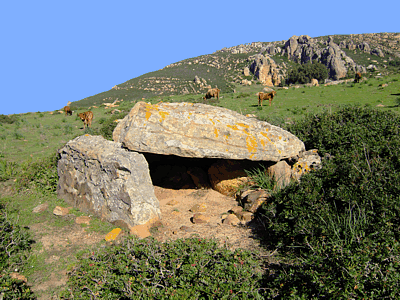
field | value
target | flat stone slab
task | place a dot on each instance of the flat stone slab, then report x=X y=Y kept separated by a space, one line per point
x=203 y=131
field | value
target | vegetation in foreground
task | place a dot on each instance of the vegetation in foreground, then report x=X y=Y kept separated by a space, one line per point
x=336 y=231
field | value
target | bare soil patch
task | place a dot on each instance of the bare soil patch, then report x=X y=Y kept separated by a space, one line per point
x=58 y=246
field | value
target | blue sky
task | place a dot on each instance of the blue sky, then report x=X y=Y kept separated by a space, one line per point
x=52 y=52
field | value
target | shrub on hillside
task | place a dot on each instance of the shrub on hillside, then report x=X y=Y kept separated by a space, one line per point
x=14 y=246
x=4 y=119
x=340 y=225
x=183 y=269
x=41 y=174
x=109 y=125
x=304 y=73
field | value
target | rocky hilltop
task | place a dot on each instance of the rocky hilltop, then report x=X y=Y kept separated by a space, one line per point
x=267 y=63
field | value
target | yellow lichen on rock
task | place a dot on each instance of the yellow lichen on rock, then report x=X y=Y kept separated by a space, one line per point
x=113 y=234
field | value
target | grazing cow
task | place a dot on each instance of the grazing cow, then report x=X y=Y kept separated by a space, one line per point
x=212 y=93
x=67 y=110
x=357 y=77
x=87 y=118
x=264 y=96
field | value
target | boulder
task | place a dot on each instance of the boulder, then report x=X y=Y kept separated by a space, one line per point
x=100 y=177
x=314 y=82
x=281 y=172
x=307 y=161
x=203 y=131
x=227 y=176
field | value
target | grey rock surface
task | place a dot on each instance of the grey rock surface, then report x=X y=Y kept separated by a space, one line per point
x=101 y=177
x=203 y=131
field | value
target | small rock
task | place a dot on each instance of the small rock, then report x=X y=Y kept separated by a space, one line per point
x=113 y=234
x=200 y=219
x=61 y=211
x=199 y=208
x=236 y=209
x=173 y=202
x=18 y=276
x=252 y=207
x=245 y=216
x=186 y=228
x=40 y=208
x=83 y=220
x=231 y=220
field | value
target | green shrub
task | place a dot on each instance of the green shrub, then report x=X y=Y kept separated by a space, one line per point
x=109 y=125
x=4 y=119
x=41 y=174
x=304 y=73
x=7 y=169
x=340 y=226
x=183 y=269
x=14 y=249
x=18 y=136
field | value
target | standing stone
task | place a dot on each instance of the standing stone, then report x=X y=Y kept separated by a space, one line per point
x=101 y=177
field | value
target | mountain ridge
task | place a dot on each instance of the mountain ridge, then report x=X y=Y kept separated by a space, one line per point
x=265 y=63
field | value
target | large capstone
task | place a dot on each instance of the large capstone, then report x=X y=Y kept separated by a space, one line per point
x=101 y=177
x=203 y=131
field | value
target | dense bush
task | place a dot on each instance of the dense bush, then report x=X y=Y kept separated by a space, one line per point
x=7 y=169
x=395 y=63
x=4 y=119
x=109 y=125
x=14 y=246
x=304 y=73
x=340 y=225
x=182 y=269
x=41 y=174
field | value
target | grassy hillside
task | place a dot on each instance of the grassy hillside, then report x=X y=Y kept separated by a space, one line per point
x=355 y=217
x=224 y=69
x=36 y=135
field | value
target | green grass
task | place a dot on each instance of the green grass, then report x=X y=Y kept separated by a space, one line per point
x=29 y=142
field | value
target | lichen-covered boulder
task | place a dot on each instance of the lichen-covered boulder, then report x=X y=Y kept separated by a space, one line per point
x=203 y=131
x=101 y=177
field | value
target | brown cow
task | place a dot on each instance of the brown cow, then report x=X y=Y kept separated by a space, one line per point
x=87 y=118
x=264 y=96
x=67 y=110
x=212 y=93
x=357 y=77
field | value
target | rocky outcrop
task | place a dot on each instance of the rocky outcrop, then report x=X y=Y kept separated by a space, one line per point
x=203 y=131
x=266 y=70
x=100 y=177
x=332 y=58
x=304 y=49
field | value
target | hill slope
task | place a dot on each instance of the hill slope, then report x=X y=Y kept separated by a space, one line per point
x=267 y=63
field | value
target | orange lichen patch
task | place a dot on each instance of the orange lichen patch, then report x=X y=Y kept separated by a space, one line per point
x=280 y=137
x=212 y=121
x=234 y=127
x=163 y=114
x=216 y=132
x=266 y=136
x=226 y=136
x=150 y=107
x=251 y=143
x=262 y=143
x=243 y=125
x=113 y=234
